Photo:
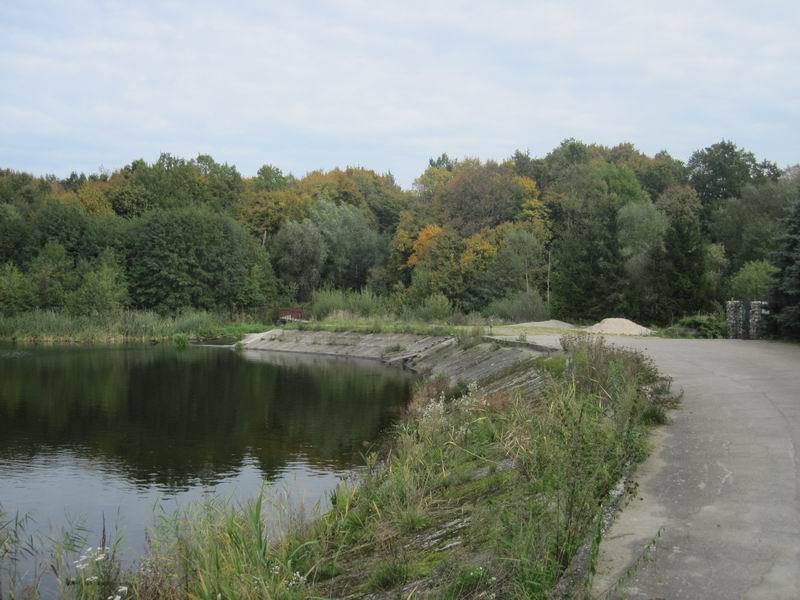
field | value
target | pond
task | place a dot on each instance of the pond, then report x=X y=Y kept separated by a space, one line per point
x=88 y=434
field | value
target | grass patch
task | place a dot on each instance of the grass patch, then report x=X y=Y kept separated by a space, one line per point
x=412 y=519
x=555 y=364
x=469 y=581
x=342 y=322
x=388 y=575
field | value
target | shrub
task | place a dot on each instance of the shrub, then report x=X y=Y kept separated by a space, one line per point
x=705 y=326
x=520 y=306
x=436 y=307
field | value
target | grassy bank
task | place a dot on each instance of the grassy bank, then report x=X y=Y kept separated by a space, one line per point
x=43 y=326
x=475 y=496
x=342 y=321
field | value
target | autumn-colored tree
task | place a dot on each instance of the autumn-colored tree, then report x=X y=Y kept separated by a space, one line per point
x=423 y=244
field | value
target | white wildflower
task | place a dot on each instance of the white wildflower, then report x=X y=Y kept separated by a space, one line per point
x=298 y=580
x=92 y=578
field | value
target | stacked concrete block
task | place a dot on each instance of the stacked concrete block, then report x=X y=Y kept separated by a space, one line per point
x=747 y=319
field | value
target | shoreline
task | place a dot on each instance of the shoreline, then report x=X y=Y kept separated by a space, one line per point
x=461 y=494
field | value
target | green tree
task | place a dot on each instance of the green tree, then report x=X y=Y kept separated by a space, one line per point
x=438 y=268
x=641 y=230
x=190 y=257
x=16 y=294
x=67 y=225
x=223 y=183
x=16 y=235
x=298 y=255
x=677 y=276
x=353 y=248
x=52 y=275
x=751 y=226
x=786 y=293
x=661 y=173
x=588 y=269
x=443 y=162
x=270 y=178
x=718 y=265
x=103 y=289
x=753 y=281
x=722 y=170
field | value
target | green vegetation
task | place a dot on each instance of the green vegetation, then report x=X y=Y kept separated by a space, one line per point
x=582 y=233
x=711 y=326
x=473 y=494
x=786 y=293
x=753 y=280
x=50 y=326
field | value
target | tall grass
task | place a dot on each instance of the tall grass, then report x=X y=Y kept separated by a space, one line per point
x=363 y=302
x=343 y=321
x=520 y=307
x=121 y=326
x=16 y=547
x=366 y=304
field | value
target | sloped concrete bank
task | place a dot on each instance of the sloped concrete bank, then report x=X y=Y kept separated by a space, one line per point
x=492 y=365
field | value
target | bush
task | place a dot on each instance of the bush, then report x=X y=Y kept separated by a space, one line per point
x=519 y=307
x=436 y=307
x=705 y=326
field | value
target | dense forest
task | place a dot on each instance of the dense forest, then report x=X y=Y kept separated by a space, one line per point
x=583 y=233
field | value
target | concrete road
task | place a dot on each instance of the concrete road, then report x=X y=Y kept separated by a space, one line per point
x=719 y=497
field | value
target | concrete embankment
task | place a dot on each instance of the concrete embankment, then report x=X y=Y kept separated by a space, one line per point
x=491 y=364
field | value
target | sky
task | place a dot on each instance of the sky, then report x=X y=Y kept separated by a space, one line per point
x=386 y=85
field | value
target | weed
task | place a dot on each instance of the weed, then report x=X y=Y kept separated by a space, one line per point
x=388 y=575
x=555 y=364
x=468 y=581
x=180 y=341
x=411 y=520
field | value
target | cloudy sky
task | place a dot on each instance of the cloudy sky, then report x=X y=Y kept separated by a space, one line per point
x=386 y=85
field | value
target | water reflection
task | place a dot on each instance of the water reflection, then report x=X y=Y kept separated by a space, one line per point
x=87 y=434
x=179 y=419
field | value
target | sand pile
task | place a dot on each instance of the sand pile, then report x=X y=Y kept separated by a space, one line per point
x=618 y=327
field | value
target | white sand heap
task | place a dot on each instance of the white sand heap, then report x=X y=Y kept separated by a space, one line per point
x=618 y=327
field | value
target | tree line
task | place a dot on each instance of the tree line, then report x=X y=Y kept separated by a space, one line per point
x=585 y=232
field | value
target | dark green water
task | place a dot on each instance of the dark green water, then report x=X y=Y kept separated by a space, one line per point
x=113 y=431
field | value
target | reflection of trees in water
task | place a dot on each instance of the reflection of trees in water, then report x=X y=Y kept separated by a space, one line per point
x=170 y=417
